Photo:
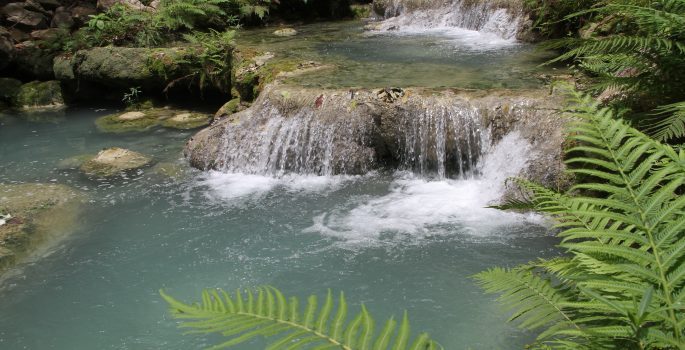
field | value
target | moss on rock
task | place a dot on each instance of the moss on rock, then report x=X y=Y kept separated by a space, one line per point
x=114 y=161
x=40 y=95
x=9 y=89
x=136 y=121
x=146 y=119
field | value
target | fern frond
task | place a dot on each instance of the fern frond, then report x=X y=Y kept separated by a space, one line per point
x=266 y=312
x=671 y=124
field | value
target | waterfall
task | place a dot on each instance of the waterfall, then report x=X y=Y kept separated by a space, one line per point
x=481 y=16
x=434 y=135
x=430 y=138
x=274 y=143
x=444 y=141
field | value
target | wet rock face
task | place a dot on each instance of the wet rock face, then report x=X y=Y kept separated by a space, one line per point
x=291 y=129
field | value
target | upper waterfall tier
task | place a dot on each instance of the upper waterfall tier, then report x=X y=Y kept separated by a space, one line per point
x=327 y=132
x=502 y=19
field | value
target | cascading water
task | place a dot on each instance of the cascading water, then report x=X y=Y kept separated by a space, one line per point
x=446 y=141
x=302 y=142
x=481 y=16
x=437 y=140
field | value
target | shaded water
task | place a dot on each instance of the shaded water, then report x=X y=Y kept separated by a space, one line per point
x=435 y=57
x=392 y=241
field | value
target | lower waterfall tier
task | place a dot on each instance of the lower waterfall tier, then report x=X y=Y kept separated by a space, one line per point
x=433 y=133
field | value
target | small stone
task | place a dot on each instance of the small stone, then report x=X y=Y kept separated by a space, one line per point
x=285 y=32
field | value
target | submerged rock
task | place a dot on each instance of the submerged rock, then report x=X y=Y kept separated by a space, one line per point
x=40 y=95
x=113 y=161
x=432 y=132
x=146 y=119
x=40 y=214
x=285 y=32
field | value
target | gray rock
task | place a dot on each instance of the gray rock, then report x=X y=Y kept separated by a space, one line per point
x=7 y=52
x=81 y=13
x=62 y=19
x=33 y=62
x=21 y=13
x=113 y=161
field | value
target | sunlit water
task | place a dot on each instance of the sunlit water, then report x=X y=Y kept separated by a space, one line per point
x=434 y=57
x=392 y=241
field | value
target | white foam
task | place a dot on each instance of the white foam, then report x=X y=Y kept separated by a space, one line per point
x=237 y=186
x=476 y=26
x=416 y=207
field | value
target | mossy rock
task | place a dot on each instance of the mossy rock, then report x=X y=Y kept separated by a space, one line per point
x=114 y=161
x=40 y=95
x=186 y=120
x=253 y=70
x=40 y=213
x=361 y=11
x=285 y=32
x=133 y=121
x=9 y=89
x=228 y=108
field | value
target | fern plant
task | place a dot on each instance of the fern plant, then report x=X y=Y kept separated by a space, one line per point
x=622 y=283
x=635 y=50
x=266 y=312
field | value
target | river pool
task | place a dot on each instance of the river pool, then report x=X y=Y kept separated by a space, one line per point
x=388 y=239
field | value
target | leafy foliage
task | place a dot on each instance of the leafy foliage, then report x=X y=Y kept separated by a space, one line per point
x=266 y=312
x=622 y=285
x=213 y=58
x=635 y=49
x=125 y=26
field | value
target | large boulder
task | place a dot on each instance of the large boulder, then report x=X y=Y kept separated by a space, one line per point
x=151 y=69
x=81 y=13
x=34 y=215
x=114 y=161
x=7 y=51
x=32 y=62
x=62 y=19
x=40 y=95
x=25 y=14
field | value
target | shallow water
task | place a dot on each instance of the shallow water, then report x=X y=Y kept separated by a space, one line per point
x=441 y=57
x=390 y=240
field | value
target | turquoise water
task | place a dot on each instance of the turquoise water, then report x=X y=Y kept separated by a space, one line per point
x=390 y=240
x=454 y=58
